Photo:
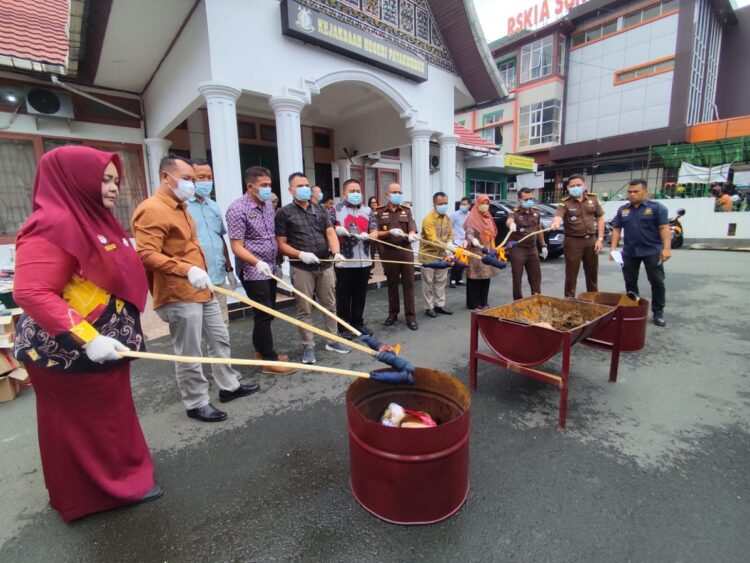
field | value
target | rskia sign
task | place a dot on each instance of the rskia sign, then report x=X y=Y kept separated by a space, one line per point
x=540 y=14
x=302 y=22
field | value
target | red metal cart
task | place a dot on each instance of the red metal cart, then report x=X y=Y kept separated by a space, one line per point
x=519 y=343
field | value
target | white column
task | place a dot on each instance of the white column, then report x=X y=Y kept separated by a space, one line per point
x=288 y=139
x=448 y=144
x=420 y=173
x=345 y=171
x=157 y=149
x=225 y=145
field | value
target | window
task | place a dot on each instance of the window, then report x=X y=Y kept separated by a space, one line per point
x=561 y=55
x=18 y=163
x=536 y=59
x=643 y=71
x=492 y=117
x=486 y=187
x=624 y=22
x=322 y=140
x=539 y=123
x=508 y=73
x=245 y=130
x=493 y=135
x=268 y=133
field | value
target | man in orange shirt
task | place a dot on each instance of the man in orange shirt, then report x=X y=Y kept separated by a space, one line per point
x=724 y=202
x=168 y=246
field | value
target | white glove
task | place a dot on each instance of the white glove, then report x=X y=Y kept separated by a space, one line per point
x=363 y=236
x=475 y=241
x=397 y=233
x=309 y=258
x=103 y=348
x=451 y=247
x=338 y=257
x=545 y=252
x=263 y=269
x=555 y=225
x=233 y=283
x=414 y=237
x=512 y=227
x=342 y=232
x=199 y=278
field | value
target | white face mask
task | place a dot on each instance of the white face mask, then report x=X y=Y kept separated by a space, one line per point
x=185 y=189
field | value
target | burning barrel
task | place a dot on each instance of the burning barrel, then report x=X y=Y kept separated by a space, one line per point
x=634 y=316
x=410 y=475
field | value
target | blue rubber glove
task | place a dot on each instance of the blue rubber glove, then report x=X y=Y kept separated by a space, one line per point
x=403 y=377
x=395 y=362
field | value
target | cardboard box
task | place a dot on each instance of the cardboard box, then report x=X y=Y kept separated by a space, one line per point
x=11 y=383
x=7 y=362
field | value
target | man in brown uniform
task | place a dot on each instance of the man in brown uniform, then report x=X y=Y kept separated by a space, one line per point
x=523 y=221
x=394 y=223
x=584 y=234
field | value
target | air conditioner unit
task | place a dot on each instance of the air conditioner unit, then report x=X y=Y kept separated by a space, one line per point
x=512 y=186
x=49 y=103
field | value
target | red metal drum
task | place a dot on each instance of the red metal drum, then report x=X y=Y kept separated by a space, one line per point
x=634 y=318
x=410 y=475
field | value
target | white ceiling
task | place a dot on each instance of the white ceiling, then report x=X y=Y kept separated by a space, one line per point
x=138 y=35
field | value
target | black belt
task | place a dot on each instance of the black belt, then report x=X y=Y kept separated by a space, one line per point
x=582 y=236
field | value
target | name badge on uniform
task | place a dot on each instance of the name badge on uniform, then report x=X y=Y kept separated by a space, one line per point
x=648 y=211
x=625 y=212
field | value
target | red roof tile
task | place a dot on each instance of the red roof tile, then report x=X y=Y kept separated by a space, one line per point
x=468 y=139
x=35 y=30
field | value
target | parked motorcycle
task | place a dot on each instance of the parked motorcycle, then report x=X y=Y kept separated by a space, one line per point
x=675 y=228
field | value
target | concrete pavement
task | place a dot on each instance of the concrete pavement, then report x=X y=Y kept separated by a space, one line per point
x=652 y=468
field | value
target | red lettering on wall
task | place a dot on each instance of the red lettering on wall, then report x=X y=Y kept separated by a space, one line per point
x=545 y=11
x=511 y=26
x=527 y=18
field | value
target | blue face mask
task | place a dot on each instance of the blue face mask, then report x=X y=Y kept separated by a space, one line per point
x=442 y=209
x=203 y=189
x=464 y=208
x=396 y=199
x=265 y=193
x=303 y=193
x=575 y=191
x=355 y=198
x=527 y=204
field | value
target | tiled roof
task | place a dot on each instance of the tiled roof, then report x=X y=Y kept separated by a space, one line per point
x=34 y=30
x=467 y=139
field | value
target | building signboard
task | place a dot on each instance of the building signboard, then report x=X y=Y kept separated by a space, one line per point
x=519 y=162
x=541 y=13
x=304 y=23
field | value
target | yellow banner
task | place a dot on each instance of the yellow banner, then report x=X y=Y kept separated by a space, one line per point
x=520 y=162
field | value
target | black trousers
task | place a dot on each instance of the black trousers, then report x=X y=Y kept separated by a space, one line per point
x=351 y=293
x=477 y=292
x=262 y=292
x=457 y=273
x=654 y=272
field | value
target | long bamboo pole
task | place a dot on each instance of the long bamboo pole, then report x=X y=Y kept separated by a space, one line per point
x=397 y=247
x=240 y=362
x=295 y=322
x=317 y=305
x=533 y=234
x=445 y=246
x=363 y=260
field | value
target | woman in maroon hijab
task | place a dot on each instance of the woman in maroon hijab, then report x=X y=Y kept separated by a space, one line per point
x=480 y=231
x=82 y=287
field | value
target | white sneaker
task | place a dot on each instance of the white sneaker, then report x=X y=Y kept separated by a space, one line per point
x=308 y=356
x=337 y=347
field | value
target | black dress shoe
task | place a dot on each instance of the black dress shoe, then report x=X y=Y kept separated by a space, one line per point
x=207 y=413
x=349 y=335
x=659 y=320
x=364 y=329
x=152 y=494
x=430 y=313
x=390 y=321
x=241 y=391
x=412 y=325
x=443 y=311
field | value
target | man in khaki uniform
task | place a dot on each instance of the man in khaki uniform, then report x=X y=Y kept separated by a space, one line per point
x=522 y=222
x=584 y=234
x=394 y=223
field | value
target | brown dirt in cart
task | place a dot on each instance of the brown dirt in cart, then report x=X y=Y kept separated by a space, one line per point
x=549 y=312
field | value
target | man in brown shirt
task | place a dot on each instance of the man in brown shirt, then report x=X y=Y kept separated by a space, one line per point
x=584 y=234
x=168 y=245
x=394 y=223
x=523 y=221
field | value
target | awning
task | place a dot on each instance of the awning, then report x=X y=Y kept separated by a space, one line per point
x=710 y=153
